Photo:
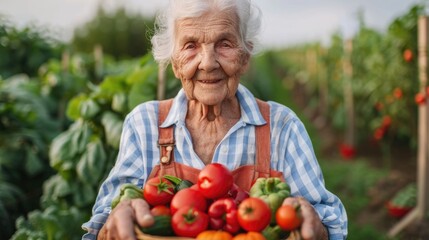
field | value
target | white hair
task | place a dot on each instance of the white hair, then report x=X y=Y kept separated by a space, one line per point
x=163 y=40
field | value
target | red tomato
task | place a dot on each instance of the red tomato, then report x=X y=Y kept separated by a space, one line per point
x=379 y=133
x=397 y=93
x=379 y=106
x=254 y=214
x=189 y=222
x=160 y=210
x=188 y=197
x=420 y=98
x=408 y=55
x=288 y=217
x=387 y=121
x=158 y=191
x=215 y=180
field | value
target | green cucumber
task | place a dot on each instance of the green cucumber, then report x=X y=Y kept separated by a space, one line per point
x=161 y=226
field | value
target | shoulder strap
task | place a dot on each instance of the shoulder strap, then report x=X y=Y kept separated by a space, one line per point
x=263 y=143
x=165 y=138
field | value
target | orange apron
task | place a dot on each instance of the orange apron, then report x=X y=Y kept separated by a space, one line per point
x=244 y=176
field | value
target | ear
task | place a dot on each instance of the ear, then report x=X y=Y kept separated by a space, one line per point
x=245 y=62
x=175 y=70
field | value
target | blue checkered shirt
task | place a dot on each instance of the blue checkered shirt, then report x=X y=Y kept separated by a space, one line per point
x=291 y=153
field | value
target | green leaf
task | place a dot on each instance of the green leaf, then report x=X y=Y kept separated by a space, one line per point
x=33 y=164
x=84 y=195
x=55 y=188
x=73 y=108
x=91 y=164
x=112 y=85
x=69 y=144
x=112 y=128
x=11 y=195
x=119 y=102
x=144 y=85
x=88 y=109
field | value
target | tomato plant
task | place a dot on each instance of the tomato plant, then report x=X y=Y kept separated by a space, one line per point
x=215 y=180
x=158 y=191
x=254 y=214
x=189 y=222
x=288 y=217
x=188 y=197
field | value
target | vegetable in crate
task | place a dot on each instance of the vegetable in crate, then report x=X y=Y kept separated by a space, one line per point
x=214 y=235
x=160 y=210
x=178 y=183
x=215 y=180
x=189 y=222
x=188 y=197
x=250 y=236
x=161 y=226
x=254 y=214
x=223 y=215
x=237 y=194
x=274 y=232
x=158 y=191
x=289 y=217
x=127 y=191
x=273 y=191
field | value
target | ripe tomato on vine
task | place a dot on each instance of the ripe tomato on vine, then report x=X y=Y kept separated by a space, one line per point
x=408 y=55
x=397 y=93
x=420 y=98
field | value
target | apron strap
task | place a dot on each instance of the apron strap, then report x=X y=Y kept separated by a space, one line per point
x=165 y=139
x=263 y=144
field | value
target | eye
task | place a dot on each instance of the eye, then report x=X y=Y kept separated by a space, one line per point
x=189 y=45
x=225 y=44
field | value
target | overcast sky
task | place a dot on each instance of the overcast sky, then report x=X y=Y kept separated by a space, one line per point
x=285 y=22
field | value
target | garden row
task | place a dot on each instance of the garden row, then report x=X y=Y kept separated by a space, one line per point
x=365 y=86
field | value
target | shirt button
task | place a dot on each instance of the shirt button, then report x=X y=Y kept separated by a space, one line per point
x=224 y=149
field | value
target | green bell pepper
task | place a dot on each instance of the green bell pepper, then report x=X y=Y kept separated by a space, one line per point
x=178 y=183
x=127 y=191
x=273 y=191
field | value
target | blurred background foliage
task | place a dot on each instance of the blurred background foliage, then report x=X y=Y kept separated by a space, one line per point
x=62 y=107
x=121 y=34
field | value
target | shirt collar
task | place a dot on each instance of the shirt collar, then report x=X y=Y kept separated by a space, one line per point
x=250 y=113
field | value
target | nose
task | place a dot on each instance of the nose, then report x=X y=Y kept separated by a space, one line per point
x=208 y=58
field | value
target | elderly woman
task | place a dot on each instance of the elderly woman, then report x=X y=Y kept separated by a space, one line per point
x=214 y=119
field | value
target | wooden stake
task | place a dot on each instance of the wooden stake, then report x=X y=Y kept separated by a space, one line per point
x=422 y=206
x=161 y=81
x=348 y=93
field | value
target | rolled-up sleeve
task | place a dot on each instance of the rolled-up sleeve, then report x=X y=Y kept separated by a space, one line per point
x=94 y=225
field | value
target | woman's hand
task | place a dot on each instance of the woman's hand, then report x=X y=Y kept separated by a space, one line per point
x=311 y=228
x=121 y=221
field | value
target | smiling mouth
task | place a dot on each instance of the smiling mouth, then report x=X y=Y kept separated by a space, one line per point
x=209 y=81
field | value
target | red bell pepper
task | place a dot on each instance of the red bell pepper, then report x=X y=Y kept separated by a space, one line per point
x=223 y=215
x=237 y=194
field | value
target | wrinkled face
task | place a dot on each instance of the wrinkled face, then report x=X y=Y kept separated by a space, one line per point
x=208 y=57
